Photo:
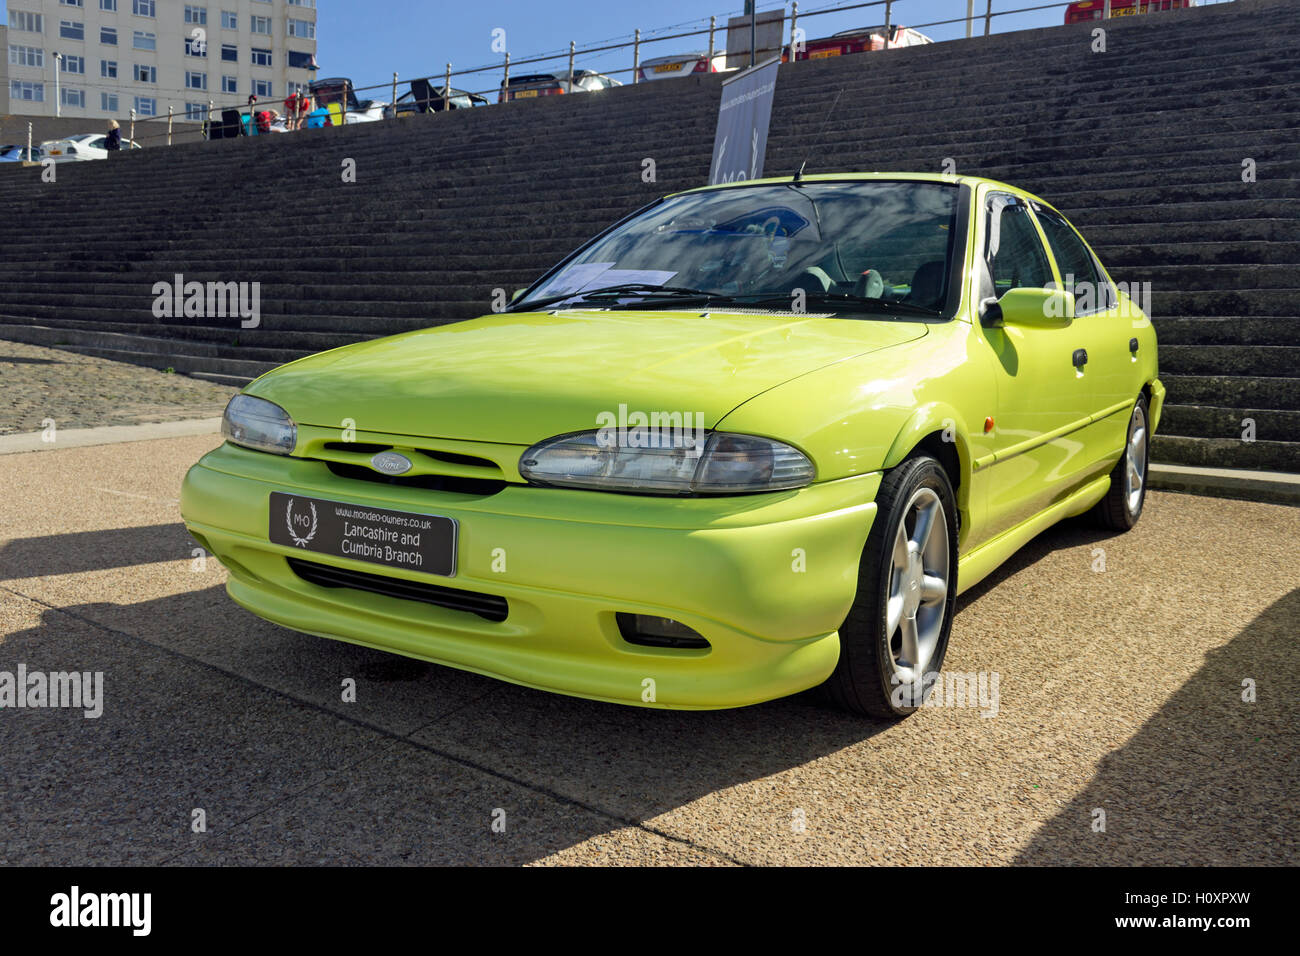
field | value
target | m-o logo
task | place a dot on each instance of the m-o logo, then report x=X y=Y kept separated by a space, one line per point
x=301 y=524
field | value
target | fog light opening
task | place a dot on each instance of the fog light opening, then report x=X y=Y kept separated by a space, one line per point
x=649 y=631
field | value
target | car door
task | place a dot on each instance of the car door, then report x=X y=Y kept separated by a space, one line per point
x=1042 y=401
x=1102 y=329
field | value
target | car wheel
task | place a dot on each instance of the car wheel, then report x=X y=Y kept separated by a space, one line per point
x=1122 y=506
x=894 y=639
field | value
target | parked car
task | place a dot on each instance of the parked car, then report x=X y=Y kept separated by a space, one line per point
x=682 y=64
x=20 y=154
x=424 y=97
x=751 y=439
x=553 y=84
x=81 y=147
x=1085 y=10
x=337 y=93
x=858 y=41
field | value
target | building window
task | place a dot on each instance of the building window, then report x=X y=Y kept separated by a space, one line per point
x=196 y=111
x=262 y=26
x=108 y=102
x=72 y=3
x=27 y=22
x=261 y=57
x=291 y=88
x=72 y=30
x=108 y=69
x=230 y=52
x=146 y=106
x=108 y=36
x=143 y=8
x=26 y=90
x=262 y=88
x=229 y=20
x=229 y=84
x=75 y=98
x=109 y=5
x=146 y=74
x=302 y=61
x=144 y=41
x=305 y=29
x=26 y=56
x=197 y=15
x=302 y=3
x=196 y=46
x=74 y=64
x=195 y=80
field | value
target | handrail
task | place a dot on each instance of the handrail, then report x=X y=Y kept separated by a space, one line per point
x=185 y=127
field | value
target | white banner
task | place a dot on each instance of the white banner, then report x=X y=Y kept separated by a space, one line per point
x=744 y=114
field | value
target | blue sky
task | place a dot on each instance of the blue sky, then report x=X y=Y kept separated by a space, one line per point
x=369 y=39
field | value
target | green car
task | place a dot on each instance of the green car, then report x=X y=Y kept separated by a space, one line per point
x=750 y=440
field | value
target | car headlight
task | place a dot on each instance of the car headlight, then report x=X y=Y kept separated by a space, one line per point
x=728 y=465
x=258 y=424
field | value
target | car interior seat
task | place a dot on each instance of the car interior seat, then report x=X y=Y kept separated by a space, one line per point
x=927 y=286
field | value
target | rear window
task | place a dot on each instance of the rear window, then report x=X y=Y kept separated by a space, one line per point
x=535 y=78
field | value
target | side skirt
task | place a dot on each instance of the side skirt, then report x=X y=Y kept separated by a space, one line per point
x=975 y=567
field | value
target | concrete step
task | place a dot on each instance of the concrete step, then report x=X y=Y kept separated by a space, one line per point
x=1226 y=452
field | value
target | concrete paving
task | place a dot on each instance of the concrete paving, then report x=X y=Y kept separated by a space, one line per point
x=1121 y=662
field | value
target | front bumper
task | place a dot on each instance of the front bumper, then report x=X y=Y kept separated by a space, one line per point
x=767 y=579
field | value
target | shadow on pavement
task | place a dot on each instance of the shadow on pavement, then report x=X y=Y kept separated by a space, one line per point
x=93 y=550
x=289 y=774
x=27 y=360
x=1071 y=533
x=1171 y=797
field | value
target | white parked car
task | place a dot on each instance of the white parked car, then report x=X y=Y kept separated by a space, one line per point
x=682 y=64
x=81 y=147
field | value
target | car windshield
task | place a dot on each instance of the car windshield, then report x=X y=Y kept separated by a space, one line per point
x=844 y=246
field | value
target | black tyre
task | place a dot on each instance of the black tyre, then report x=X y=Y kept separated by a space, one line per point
x=1122 y=506
x=893 y=642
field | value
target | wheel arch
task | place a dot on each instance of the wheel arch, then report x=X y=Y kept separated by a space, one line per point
x=938 y=430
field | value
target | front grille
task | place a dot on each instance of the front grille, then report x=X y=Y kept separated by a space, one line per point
x=456 y=484
x=487 y=606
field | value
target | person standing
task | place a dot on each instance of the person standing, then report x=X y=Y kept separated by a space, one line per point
x=113 y=141
x=291 y=111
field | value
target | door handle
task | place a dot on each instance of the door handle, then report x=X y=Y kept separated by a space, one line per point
x=1080 y=358
x=1132 y=345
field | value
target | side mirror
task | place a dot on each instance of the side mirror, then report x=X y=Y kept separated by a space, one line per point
x=517 y=294
x=1031 y=308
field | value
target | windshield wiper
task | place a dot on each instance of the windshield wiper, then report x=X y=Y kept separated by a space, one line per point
x=680 y=296
x=640 y=289
x=862 y=303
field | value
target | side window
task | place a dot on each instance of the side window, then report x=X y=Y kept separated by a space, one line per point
x=1013 y=251
x=1077 y=267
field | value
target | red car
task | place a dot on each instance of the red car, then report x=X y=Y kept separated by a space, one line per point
x=1085 y=10
x=858 y=41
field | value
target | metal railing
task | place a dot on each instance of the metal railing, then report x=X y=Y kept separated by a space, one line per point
x=191 y=129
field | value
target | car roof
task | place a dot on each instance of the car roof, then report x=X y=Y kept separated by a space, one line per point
x=691 y=55
x=972 y=181
x=857 y=31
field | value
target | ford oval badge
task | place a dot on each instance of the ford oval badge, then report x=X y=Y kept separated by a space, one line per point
x=391 y=463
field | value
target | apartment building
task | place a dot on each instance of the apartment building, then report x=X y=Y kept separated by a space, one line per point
x=115 y=56
x=4 y=73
